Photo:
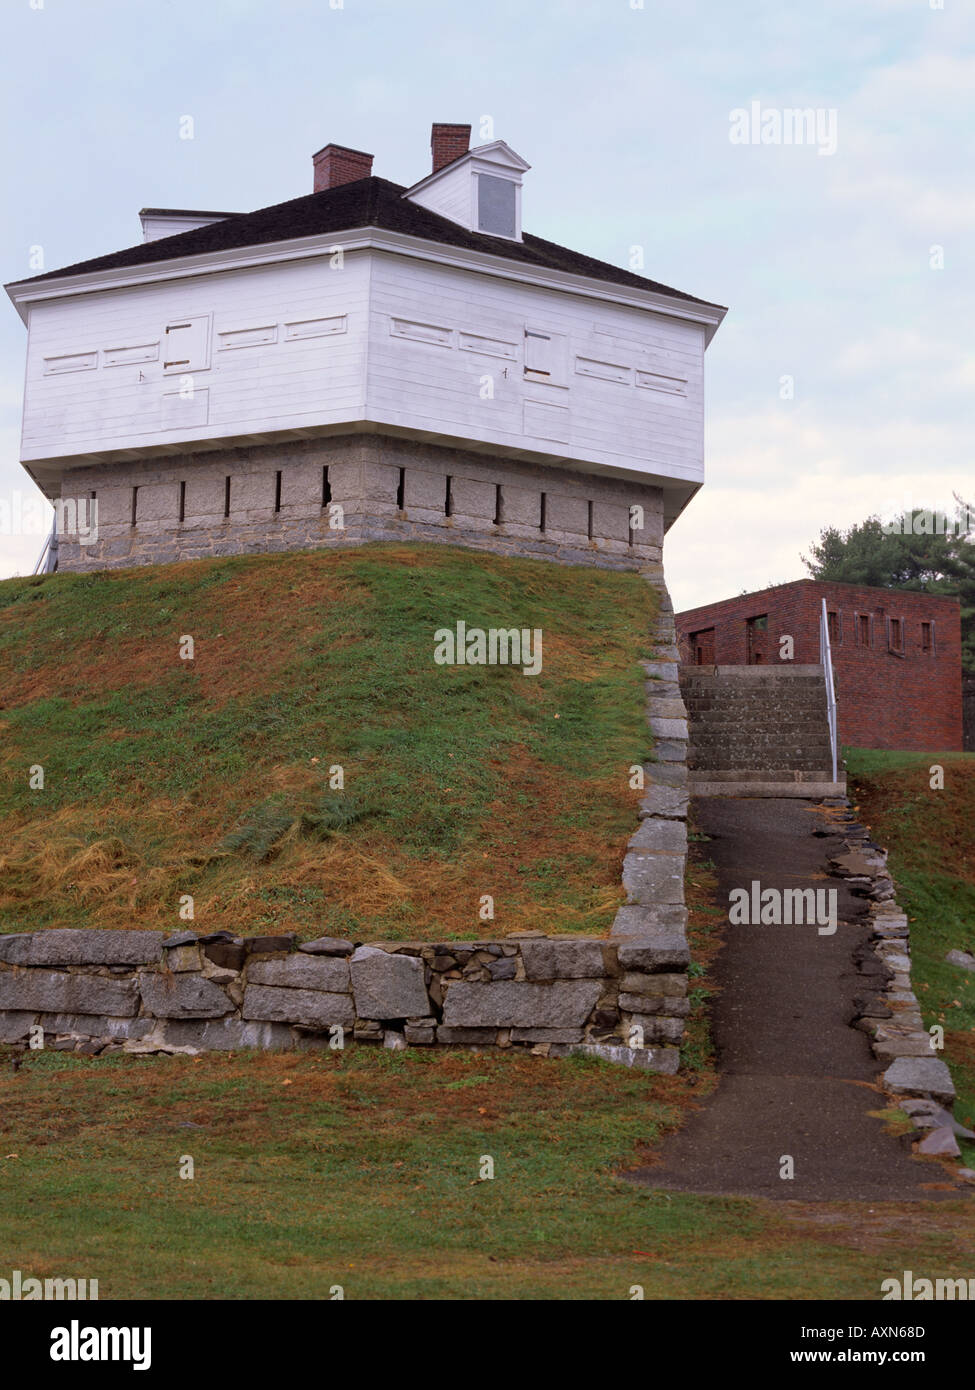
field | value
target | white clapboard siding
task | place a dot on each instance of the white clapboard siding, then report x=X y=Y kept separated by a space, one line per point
x=451 y=195
x=309 y=374
x=393 y=341
x=435 y=388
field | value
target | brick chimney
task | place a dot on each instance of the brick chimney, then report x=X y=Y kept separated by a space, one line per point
x=448 y=142
x=335 y=165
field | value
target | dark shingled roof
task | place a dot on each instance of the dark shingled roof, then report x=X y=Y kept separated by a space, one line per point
x=370 y=202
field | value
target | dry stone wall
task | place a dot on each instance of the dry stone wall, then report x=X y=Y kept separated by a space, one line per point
x=144 y=991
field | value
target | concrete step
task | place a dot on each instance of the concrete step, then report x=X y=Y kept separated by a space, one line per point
x=771 y=787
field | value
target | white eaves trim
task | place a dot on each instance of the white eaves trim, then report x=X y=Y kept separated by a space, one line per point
x=360 y=239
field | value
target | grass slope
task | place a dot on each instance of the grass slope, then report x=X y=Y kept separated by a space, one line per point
x=210 y=777
x=930 y=837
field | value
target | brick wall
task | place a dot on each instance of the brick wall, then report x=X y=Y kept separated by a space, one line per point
x=884 y=700
x=494 y=504
x=968 y=712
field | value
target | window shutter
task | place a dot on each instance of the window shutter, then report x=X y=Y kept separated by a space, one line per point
x=546 y=357
x=186 y=345
x=538 y=352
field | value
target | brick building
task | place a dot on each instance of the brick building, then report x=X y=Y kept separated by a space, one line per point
x=896 y=654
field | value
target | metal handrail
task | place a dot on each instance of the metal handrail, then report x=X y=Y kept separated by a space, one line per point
x=826 y=661
x=48 y=560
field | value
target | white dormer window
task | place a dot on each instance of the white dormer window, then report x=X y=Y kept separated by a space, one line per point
x=480 y=190
x=497 y=201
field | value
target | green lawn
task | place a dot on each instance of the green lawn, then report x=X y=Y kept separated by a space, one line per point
x=211 y=777
x=364 y=1170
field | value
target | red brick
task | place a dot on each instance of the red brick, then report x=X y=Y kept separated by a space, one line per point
x=883 y=700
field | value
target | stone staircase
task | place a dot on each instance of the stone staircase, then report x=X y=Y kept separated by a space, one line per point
x=758 y=731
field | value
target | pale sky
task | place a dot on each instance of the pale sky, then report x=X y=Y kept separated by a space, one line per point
x=826 y=261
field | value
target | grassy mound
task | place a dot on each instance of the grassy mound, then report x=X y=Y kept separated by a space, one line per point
x=214 y=777
x=930 y=836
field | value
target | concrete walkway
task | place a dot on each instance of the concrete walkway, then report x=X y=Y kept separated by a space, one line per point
x=795 y=1078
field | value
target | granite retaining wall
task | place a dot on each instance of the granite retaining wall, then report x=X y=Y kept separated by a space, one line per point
x=145 y=991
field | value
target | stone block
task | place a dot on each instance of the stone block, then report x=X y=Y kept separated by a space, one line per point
x=920 y=1076
x=424 y=491
x=650 y=879
x=667 y=750
x=420 y=1037
x=647 y=921
x=660 y=708
x=302 y=972
x=15 y=1025
x=563 y=960
x=114 y=506
x=610 y=521
x=68 y=946
x=205 y=495
x=308 y=1007
x=912 y=1046
x=504 y=969
x=97 y=1026
x=663 y=727
x=660 y=837
x=180 y=959
x=664 y=1060
x=227 y=1034
x=301 y=487
x=157 y=503
x=567 y=514
x=183 y=996
x=655 y=1028
x=478 y=1036
x=388 y=986
x=473 y=499
x=327 y=946
x=520 y=506
x=253 y=492
x=636 y=982
x=520 y=1004
x=553 y=1035
x=228 y=955
x=380 y=482
x=659 y=800
x=270 y=945
x=654 y=1004
x=53 y=992
x=661 y=670
x=664 y=951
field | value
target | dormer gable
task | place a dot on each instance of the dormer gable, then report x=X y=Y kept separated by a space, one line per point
x=479 y=190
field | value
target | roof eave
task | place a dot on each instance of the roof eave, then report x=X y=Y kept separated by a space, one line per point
x=23 y=293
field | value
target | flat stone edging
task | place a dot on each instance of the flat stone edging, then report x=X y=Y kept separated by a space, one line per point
x=887 y=1008
x=655 y=914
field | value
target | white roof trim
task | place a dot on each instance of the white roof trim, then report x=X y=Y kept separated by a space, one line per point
x=358 y=239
